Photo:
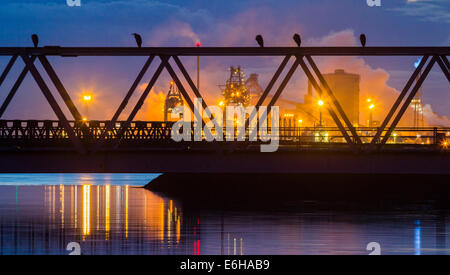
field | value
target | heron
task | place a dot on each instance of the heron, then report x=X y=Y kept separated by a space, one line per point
x=260 y=40
x=138 y=39
x=35 y=40
x=362 y=38
x=297 y=39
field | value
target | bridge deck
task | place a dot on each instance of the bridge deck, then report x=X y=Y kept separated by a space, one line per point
x=146 y=147
x=196 y=161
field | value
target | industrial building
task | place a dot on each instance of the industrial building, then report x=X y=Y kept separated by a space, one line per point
x=345 y=87
x=173 y=99
x=235 y=91
x=312 y=112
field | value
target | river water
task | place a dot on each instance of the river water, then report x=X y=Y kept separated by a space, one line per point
x=111 y=214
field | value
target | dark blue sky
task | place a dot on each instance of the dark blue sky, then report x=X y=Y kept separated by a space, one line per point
x=106 y=22
x=230 y=23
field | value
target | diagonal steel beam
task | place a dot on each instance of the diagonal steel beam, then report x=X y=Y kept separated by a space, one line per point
x=15 y=87
x=273 y=80
x=132 y=89
x=165 y=61
x=144 y=95
x=316 y=86
x=123 y=104
x=408 y=100
x=60 y=88
x=444 y=58
x=191 y=83
x=283 y=84
x=164 y=64
x=280 y=89
x=196 y=92
x=268 y=88
x=8 y=68
x=444 y=68
x=140 y=102
x=399 y=100
x=333 y=99
x=53 y=103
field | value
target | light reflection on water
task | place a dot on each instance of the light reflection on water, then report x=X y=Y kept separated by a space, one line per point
x=104 y=219
x=119 y=218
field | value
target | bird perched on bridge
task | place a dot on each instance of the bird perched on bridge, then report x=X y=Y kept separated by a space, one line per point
x=260 y=40
x=138 y=39
x=362 y=38
x=35 y=40
x=297 y=39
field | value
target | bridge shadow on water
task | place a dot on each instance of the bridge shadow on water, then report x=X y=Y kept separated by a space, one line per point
x=295 y=192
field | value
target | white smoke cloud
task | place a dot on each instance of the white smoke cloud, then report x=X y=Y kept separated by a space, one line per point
x=434 y=118
x=180 y=33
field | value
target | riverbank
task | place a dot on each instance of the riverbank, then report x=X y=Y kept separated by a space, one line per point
x=283 y=189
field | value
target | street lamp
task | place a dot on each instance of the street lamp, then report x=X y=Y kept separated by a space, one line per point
x=320 y=103
x=87 y=99
x=300 y=123
x=371 y=107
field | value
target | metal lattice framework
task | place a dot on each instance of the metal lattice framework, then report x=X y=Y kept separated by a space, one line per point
x=302 y=57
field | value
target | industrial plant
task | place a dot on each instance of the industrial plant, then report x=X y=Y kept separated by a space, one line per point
x=238 y=91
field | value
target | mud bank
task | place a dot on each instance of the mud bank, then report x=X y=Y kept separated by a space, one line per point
x=271 y=189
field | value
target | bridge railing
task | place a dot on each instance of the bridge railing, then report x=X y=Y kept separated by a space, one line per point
x=50 y=130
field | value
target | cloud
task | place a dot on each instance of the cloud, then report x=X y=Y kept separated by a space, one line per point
x=434 y=118
x=175 y=32
x=153 y=108
x=175 y=24
x=428 y=10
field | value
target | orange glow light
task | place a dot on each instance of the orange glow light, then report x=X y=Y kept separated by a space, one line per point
x=445 y=144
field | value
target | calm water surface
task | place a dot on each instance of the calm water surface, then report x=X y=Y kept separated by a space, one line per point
x=110 y=214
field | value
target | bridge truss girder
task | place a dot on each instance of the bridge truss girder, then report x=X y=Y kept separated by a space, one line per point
x=29 y=55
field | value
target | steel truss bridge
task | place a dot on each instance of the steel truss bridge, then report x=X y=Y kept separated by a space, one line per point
x=70 y=144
